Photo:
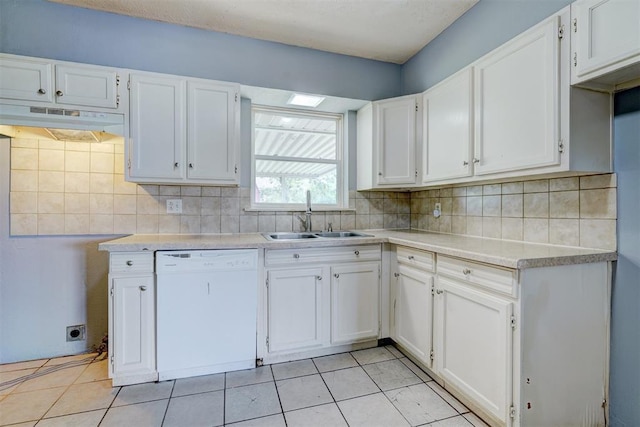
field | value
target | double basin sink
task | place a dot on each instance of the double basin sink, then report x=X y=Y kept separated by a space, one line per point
x=313 y=235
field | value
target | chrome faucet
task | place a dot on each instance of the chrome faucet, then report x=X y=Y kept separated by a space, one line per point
x=307 y=220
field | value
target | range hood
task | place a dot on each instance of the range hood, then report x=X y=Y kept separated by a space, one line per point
x=61 y=118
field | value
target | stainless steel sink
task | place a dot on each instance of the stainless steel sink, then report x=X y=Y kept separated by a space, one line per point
x=320 y=234
x=289 y=236
x=340 y=234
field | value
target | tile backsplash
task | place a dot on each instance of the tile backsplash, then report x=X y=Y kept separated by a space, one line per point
x=69 y=188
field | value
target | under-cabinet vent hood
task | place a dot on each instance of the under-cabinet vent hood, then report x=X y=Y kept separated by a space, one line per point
x=61 y=118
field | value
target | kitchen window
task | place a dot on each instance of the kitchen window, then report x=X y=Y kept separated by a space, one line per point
x=295 y=151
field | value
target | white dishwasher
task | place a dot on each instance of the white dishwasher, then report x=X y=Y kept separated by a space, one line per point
x=206 y=311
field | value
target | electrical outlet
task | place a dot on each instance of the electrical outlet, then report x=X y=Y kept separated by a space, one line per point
x=75 y=333
x=174 y=206
x=438 y=206
x=437 y=211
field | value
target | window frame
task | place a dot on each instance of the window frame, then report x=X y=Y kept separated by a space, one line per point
x=341 y=161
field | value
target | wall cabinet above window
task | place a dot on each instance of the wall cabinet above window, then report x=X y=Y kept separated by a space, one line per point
x=183 y=132
x=41 y=81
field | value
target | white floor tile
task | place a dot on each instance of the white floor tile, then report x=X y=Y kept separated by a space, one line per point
x=316 y=416
x=28 y=406
x=96 y=371
x=148 y=414
x=458 y=421
x=391 y=374
x=372 y=355
x=450 y=399
x=349 y=383
x=84 y=397
x=335 y=362
x=394 y=351
x=374 y=410
x=302 y=392
x=132 y=394
x=416 y=370
x=84 y=419
x=270 y=421
x=420 y=404
x=249 y=376
x=475 y=420
x=204 y=409
x=202 y=384
x=251 y=401
x=282 y=371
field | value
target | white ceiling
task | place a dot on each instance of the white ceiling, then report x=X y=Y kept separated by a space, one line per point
x=384 y=30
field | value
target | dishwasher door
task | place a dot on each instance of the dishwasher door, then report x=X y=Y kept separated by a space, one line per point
x=206 y=312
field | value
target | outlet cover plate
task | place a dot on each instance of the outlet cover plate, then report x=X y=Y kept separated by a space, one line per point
x=174 y=206
x=75 y=333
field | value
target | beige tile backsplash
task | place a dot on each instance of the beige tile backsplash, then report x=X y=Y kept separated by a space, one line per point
x=70 y=188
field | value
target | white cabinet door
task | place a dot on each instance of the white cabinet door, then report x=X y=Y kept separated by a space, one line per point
x=86 y=86
x=474 y=345
x=355 y=292
x=294 y=305
x=395 y=140
x=607 y=36
x=133 y=317
x=517 y=102
x=448 y=128
x=26 y=79
x=414 y=312
x=157 y=128
x=213 y=132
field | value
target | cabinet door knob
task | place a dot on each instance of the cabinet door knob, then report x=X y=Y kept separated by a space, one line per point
x=129 y=263
x=465 y=163
x=439 y=291
x=396 y=274
x=336 y=275
x=466 y=271
x=59 y=93
x=143 y=288
x=42 y=91
x=379 y=173
x=175 y=165
x=191 y=165
x=411 y=257
x=356 y=252
x=296 y=256
x=476 y=160
x=318 y=278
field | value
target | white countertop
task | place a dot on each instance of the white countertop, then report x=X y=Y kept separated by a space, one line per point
x=505 y=253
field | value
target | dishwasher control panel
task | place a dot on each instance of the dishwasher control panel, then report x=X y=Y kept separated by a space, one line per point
x=206 y=260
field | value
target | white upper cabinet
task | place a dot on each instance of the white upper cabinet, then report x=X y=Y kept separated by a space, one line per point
x=183 y=131
x=157 y=113
x=447 y=120
x=87 y=86
x=212 y=140
x=42 y=81
x=26 y=79
x=517 y=102
x=606 y=41
x=387 y=143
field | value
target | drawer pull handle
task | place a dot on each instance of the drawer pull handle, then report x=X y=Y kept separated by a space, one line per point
x=175 y=165
x=42 y=91
x=296 y=256
x=411 y=257
x=466 y=271
x=439 y=291
x=59 y=93
x=357 y=253
x=143 y=288
x=129 y=263
x=396 y=274
x=336 y=275
x=318 y=278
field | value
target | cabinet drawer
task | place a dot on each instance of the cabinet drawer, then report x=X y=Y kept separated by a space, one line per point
x=135 y=262
x=415 y=257
x=501 y=280
x=323 y=255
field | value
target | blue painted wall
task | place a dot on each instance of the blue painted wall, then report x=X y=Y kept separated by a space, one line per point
x=50 y=30
x=625 y=321
x=484 y=27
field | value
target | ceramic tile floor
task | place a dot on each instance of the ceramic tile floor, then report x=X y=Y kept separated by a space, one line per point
x=373 y=387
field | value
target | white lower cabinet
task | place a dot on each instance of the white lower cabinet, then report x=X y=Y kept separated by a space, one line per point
x=295 y=300
x=355 y=310
x=317 y=300
x=474 y=345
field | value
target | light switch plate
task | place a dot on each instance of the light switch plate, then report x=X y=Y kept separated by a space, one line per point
x=174 y=206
